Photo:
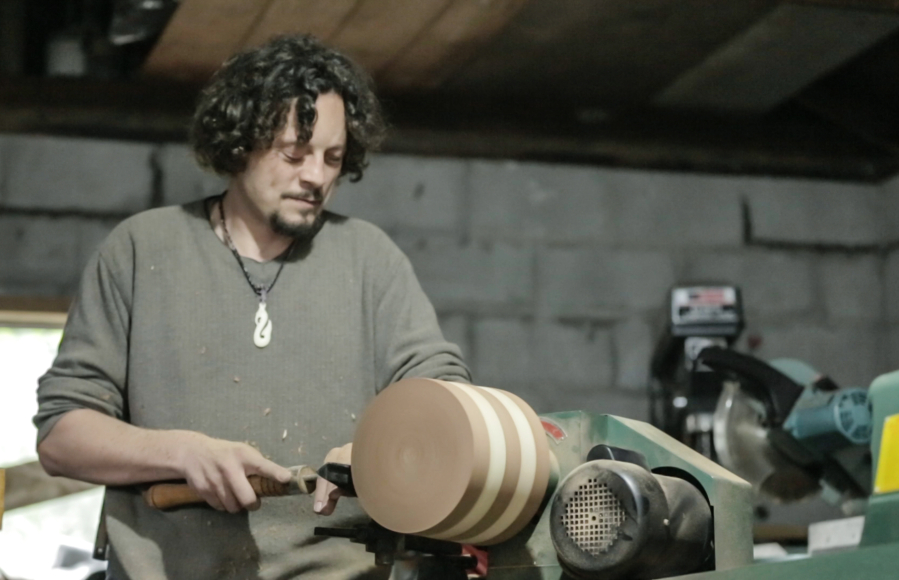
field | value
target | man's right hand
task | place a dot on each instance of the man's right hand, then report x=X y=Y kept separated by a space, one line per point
x=94 y=447
x=217 y=470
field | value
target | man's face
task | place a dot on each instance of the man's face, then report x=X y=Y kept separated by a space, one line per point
x=290 y=183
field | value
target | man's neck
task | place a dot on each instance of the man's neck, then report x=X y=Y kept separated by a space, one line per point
x=249 y=230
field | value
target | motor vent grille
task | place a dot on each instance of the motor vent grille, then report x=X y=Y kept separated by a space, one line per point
x=593 y=516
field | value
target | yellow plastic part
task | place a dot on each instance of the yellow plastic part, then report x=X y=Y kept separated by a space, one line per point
x=888 y=463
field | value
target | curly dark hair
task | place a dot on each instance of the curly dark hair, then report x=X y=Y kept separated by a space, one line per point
x=245 y=105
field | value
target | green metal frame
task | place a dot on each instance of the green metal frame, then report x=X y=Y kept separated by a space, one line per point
x=882 y=517
x=874 y=563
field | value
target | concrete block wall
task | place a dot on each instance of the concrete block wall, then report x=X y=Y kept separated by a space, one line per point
x=891 y=270
x=552 y=278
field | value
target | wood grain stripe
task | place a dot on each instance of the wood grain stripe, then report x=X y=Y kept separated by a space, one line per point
x=541 y=479
x=497 y=467
x=526 y=474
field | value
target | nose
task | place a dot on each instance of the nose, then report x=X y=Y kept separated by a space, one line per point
x=312 y=172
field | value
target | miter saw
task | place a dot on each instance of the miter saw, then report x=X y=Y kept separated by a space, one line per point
x=781 y=425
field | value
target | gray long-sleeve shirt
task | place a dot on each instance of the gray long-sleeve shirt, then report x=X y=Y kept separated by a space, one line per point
x=161 y=335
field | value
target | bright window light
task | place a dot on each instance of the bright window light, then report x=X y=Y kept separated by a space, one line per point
x=25 y=354
x=33 y=535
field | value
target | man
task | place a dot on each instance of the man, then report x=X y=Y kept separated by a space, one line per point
x=241 y=334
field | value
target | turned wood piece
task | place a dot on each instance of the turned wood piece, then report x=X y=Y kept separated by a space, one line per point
x=450 y=461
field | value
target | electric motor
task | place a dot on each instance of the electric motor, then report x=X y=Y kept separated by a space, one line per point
x=612 y=519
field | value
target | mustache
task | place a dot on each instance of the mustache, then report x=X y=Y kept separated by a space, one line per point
x=316 y=195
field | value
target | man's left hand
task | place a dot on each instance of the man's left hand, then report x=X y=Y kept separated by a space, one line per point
x=326 y=493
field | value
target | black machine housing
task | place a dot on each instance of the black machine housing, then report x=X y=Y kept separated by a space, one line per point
x=683 y=394
x=614 y=519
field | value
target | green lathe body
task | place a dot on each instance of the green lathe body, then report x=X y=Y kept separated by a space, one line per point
x=531 y=556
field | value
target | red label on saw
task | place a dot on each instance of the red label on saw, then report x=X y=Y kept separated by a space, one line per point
x=553 y=430
x=711 y=296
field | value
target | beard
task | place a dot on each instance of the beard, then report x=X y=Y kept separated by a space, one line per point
x=302 y=233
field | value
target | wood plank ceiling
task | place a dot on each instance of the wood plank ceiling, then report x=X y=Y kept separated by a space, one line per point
x=403 y=43
x=764 y=86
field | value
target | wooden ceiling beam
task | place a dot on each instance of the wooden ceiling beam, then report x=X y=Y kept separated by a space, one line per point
x=150 y=111
x=378 y=30
x=652 y=152
x=200 y=36
x=376 y=33
x=854 y=112
x=160 y=112
x=321 y=19
x=785 y=52
x=451 y=41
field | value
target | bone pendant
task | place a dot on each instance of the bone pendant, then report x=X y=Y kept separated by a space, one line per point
x=263 y=334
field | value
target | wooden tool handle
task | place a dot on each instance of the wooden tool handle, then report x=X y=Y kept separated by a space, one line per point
x=169 y=495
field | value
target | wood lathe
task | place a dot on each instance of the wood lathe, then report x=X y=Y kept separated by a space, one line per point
x=566 y=494
x=575 y=495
